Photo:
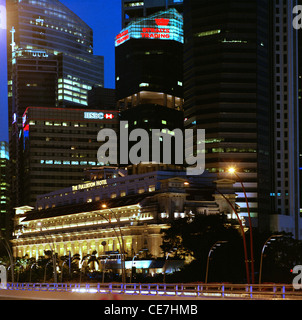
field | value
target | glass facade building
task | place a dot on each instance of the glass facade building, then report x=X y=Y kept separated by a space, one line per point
x=133 y=9
x=227 y=90
x=46 y=27
x=50 y=64
x=58 y=145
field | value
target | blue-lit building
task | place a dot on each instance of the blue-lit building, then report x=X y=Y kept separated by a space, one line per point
x=38 y=29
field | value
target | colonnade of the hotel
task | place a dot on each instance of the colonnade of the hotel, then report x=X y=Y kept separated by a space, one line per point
x=132 y=245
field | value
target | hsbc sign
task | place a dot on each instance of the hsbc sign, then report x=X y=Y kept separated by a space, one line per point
x=98 y=115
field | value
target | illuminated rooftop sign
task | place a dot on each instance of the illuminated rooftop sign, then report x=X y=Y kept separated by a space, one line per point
x=165 y=25
x=89 y=185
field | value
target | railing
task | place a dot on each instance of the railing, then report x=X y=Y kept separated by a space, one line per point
x=223 y=291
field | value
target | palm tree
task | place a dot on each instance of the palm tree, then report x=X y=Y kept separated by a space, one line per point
x=71 y=262
x=93 y=259
x=82 y=264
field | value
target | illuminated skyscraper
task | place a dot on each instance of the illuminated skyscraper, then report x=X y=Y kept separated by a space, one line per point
x=37 y=29
x=285 y=191
x=240 y=83
x=50 y=64
x=227 y=90
x=149 y=72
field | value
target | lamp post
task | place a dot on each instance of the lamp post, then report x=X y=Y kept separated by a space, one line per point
x=54 y=260
x=165 y=265
x=243 y=235
x=233 y=171
x=137 y=254
x=267 y=242
x=214 y=246
x=104 y=267
x=121 y=242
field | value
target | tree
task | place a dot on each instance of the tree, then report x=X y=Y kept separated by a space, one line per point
x=280 y=257
x=192 y=239
x=93 y=259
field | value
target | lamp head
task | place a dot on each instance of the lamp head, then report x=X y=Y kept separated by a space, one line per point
x=232 y=170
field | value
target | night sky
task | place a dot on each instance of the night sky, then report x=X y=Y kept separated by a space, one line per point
x=104 y=17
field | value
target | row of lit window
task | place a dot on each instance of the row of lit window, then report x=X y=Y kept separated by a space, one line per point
x=134 y=4
x=74 y=83
x=73 y=163
x=40 y=22
x=66 y=86
x=63 y=124
x=217 y=150
x=76 y=100
x=70 y=93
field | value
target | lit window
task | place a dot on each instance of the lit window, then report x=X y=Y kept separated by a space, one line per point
x=207 y=33
x=151 y=188
x=144 y=84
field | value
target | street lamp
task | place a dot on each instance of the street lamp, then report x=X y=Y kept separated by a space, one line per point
x=54 y=260
x=243 y=235
x=214 y=246
x=165 y=265
x=232 y=170
x=134 y=256
x=267 y=242
x=121 y=242
x=104 y=267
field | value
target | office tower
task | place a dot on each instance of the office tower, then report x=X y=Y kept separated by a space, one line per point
x=50 y=64
x=5 y=203
x=132 y=10
x=50 y=27
x=149 y=73
x=227 y=91
x=58 y=144
x=285 y=191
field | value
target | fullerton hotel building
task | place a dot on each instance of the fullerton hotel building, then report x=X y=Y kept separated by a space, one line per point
x=117 y=211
